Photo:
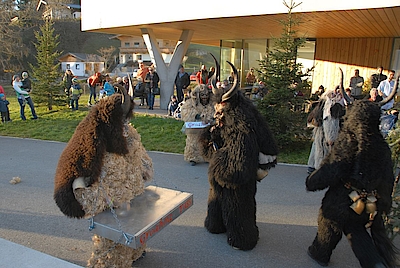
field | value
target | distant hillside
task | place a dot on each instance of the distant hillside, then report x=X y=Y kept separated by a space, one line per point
x=199 y=55
x=72 y=39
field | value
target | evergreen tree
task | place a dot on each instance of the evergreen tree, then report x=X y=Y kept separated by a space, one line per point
x=46 y=73
x=283 y=78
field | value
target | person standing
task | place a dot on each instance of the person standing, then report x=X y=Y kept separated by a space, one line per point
x=384 y=89
x=231 y=78
x=3 y=107
x=93 y=81
x=23 y=98
x=211 y=72
x=151 y=81
x=7 y=113
x=202 y=76
x=67 y=81
x=76 y=92
x=356 y=84
x=140 y=91
x=126 y=83
x=182 y=81
x=377 y=78
x=250 y=77
x=142 y=72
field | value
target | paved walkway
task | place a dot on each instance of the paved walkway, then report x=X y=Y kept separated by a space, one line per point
x=145 y=110
x=35 y=234
x=14 y=255
x=40 y=236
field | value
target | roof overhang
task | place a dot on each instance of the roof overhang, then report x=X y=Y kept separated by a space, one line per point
x=336 y=19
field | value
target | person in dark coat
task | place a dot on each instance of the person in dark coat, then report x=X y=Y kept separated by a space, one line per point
x=182 y=81
x=151 y=81
x=377 y=78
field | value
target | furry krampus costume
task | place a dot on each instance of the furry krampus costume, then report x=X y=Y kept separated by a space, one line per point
x=325 y=120
x=103 y=162
x=359 y=174
x=197 y=108
x=237 y=146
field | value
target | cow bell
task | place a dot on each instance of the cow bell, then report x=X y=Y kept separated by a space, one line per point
x=354 y=196
x=261 y=174
x=370 y=207
x=358 y=206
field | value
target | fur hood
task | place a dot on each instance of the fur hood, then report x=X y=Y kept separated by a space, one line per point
x=99 y=132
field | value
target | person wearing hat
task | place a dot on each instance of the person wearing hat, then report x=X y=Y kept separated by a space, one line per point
x=182 y=81
x=7 y=113
x=76 y=92
x=23 y=98
x=26 y=82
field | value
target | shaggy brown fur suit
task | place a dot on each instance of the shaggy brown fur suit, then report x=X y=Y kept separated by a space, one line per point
x=107 y=153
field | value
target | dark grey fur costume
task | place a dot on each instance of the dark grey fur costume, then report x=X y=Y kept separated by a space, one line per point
x=237 y=146
x=359 y=165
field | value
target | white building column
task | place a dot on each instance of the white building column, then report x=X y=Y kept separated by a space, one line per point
x=166 y=73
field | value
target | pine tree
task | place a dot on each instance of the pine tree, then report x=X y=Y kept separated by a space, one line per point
x=283 y=78
x=46 y=74
x=392 y=219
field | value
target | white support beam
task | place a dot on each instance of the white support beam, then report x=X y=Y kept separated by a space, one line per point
x=167 y=73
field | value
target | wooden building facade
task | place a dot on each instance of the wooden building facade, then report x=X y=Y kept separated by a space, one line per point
x=365 y=54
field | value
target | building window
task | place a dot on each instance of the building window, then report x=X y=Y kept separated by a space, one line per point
x=77 y=66
x=68 y=66
x=395 y=64
x=136 y=44
x=127 y=44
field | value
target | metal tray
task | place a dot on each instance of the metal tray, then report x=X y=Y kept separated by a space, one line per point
x=148 y=214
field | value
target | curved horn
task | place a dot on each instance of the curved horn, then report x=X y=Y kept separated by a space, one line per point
x=344 y=94
x=215 y=77
x=233 y=89
x=125 y=99
x=392 y=93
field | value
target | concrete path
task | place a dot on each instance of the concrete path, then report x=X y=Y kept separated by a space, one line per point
x=15 y=255
x=286 y=216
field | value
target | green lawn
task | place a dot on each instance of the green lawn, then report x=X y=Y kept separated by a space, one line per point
x=159 y=133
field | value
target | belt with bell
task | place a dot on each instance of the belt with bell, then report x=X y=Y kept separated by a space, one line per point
x=362 y=200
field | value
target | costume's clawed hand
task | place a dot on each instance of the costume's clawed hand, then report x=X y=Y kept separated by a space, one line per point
x=309 y=185
x=317 y=181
